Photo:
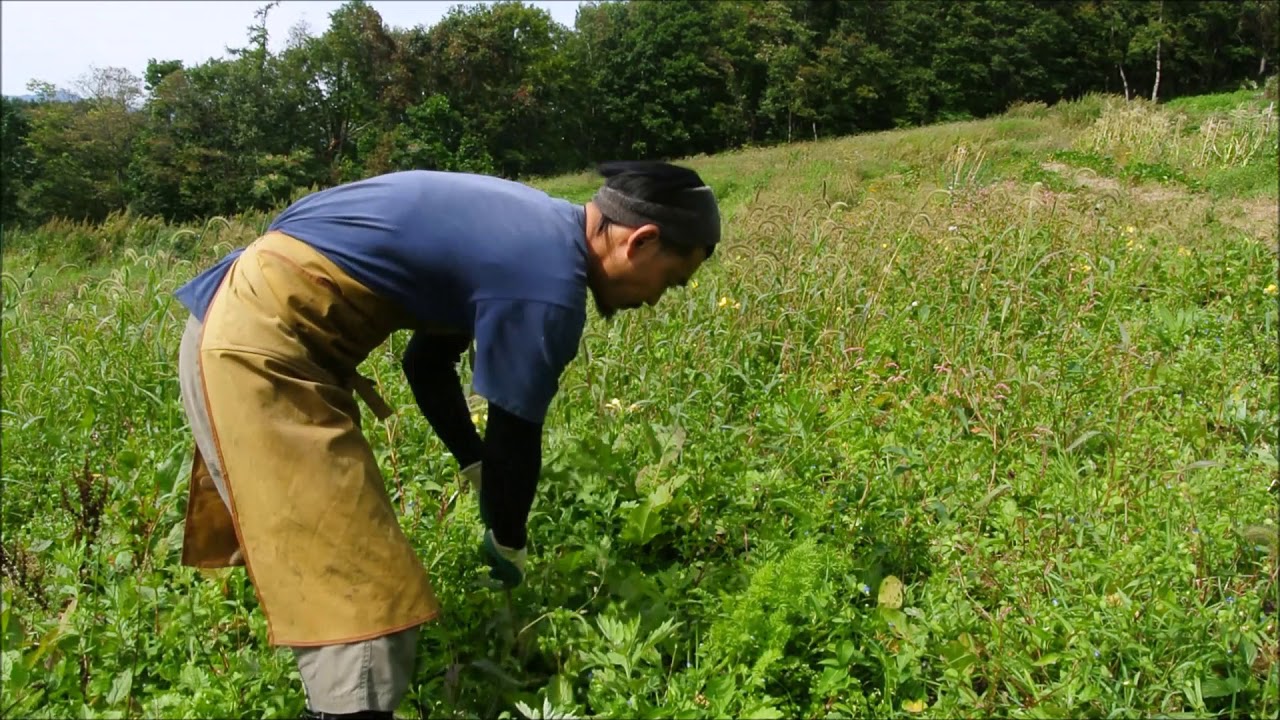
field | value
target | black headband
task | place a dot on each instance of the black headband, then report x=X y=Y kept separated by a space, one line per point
x=697 y=224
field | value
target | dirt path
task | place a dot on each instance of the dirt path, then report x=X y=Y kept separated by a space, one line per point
x=1258 y=218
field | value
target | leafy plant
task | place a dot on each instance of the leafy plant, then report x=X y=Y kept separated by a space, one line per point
x=927 y=438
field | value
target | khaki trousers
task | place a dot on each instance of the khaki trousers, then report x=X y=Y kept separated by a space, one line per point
x=345 y=678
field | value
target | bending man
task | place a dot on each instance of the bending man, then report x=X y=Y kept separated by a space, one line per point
x=284 y=481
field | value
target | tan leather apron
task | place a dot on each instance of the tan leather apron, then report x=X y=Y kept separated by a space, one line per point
x=310 y=516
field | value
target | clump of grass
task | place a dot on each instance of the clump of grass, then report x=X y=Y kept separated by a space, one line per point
x=1237 y=139
x=1035 y=109
x=1051 y=418
x=1135 y=130
x=1081 y=112
x=965 y=169
x=1198 y=107
x=1225 y=144
x=1255 y=180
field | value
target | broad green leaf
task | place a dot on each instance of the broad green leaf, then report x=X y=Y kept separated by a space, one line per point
x=127 y=459
x=1212 y=687
x=891 y=592
x=958 y=657
x=763 y=713
x=1048 y=659
x=643 y=524
x=120 y=687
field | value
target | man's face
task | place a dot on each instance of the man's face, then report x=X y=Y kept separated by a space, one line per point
x=637 y=270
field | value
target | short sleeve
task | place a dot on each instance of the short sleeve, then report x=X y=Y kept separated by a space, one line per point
x=198 y=293
x=522 y=348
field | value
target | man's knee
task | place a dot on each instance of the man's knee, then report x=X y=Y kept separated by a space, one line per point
x=366 y=677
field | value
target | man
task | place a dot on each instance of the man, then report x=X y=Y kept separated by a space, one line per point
x=283 y=480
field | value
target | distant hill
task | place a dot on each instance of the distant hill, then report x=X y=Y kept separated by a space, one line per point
x=59 y=96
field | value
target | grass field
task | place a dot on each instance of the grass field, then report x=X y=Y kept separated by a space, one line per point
x=968 y=420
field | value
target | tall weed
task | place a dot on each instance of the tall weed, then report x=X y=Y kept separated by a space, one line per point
x=924 y=438
x=1139 y=132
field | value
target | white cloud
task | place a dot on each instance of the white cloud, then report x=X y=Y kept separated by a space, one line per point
x=59 y=41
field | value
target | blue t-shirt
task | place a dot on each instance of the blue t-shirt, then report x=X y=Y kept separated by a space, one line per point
x=490 y=258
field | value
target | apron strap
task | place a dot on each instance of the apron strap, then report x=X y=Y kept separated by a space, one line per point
x=364 y=387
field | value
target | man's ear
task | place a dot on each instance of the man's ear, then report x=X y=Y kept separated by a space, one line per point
x=642 y=238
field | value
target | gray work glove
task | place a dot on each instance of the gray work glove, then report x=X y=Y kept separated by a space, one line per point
x=506 y=565
x=473 y=474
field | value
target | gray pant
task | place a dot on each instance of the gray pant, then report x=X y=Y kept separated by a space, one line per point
x=368 y=675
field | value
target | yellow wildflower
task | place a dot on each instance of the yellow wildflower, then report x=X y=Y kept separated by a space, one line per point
x=616 y=405
x=726 y=302
x=1184 y=252
x=1131 y=229
x=1272 y=290
x=693 y=284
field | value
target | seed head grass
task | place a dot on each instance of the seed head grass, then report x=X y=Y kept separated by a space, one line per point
x=979 y=368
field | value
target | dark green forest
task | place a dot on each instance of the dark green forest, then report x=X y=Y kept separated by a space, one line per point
x=504 y=89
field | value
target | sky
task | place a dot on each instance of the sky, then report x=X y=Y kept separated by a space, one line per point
x=59 y=41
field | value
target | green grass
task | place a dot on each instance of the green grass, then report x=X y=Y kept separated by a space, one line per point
x=1045 y=402
x=1202 y=106
x=1252 y=181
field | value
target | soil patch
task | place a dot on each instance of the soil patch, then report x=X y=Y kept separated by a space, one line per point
x=1256 y=217
x=1083 y=177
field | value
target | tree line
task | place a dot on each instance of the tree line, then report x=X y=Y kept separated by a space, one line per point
x=504 y=89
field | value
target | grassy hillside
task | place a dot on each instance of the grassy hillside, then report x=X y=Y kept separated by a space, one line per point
x=971 y=419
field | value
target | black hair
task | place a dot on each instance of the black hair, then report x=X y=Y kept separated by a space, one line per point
x=657 y=182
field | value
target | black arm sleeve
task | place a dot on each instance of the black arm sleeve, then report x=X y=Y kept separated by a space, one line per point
x=430 y=366
x=512 y=463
